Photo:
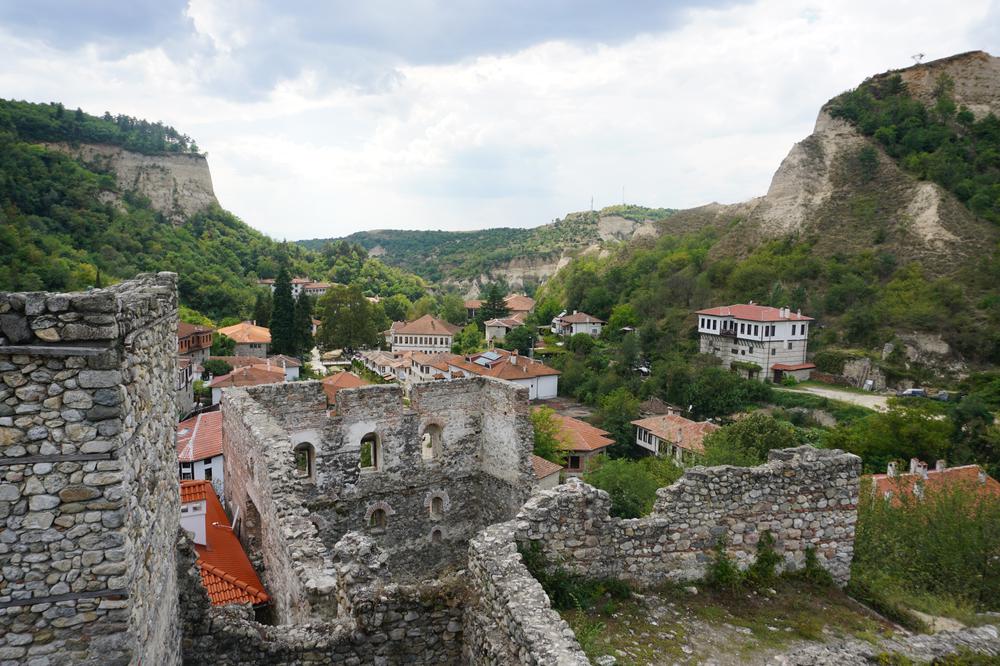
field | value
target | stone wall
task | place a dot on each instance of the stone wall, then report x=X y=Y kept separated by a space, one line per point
x=290 y=521
x=378 y=622
x=805 y=497
x=88 y=489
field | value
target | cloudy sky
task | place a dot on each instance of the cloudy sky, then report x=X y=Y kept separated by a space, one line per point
x=321 y=118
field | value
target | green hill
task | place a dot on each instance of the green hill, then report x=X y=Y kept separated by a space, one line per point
x=67 y=225
x=464 y=256
x=883 y=225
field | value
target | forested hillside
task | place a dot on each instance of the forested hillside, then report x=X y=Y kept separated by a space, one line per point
x=467 y=255
x=64 y=226
x=875 y=260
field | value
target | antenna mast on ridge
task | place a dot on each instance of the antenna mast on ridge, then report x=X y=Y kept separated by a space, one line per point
x=918 y=57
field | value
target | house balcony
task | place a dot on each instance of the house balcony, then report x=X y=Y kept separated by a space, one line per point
x=728 y=332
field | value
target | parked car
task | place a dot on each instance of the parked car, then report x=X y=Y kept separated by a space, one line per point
x=913 y=393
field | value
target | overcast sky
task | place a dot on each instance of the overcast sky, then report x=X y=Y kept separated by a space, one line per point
x=324 y=118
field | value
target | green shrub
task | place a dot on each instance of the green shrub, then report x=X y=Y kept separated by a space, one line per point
x=723 y=574
x=567 y=590
x=762 y=571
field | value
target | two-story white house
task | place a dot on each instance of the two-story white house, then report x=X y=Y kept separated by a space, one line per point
x=427 y=334
x=578 y=322
x=758 y=341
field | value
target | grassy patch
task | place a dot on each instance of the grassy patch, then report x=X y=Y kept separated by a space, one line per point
x=667 y=624
x=843 y=412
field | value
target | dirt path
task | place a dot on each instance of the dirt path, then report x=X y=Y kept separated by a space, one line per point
x=874 y=401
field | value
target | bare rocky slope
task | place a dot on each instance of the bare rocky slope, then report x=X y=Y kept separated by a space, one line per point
x=815 y=193
x=177 y=185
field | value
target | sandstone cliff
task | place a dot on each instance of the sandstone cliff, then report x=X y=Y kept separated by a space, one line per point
x=814 y=193
x=177 y=185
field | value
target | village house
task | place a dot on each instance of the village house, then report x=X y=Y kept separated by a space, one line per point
x=193 y=341
x=497 y=329
x=757 y=341
x=289 y=364
x=251 y=340
x=199 y=449
x=673 y=436
x=226 y=572
x=390 y=367
x=340 y=380
x=517 y=306
x=300 y=286
x=920 y=480
x=578 y=322
x=184 y=386
x=582 y=443
x=427 y=334
x=546 y=472
x=541 y=381
x=249 y=375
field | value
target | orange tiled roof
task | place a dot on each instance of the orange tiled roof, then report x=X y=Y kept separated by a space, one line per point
x=580 y=318
x=226 y=572
x=185 y=329
x=473 y=304
x=341 y=380
x=245 y=332
x=517 y=303
x=685 y=433
x=753 y=313
x=239 y=361
x=250 y=375
x=289 y=361
x=581 y=436
x=971 y=476
x=426 y=325
x=200 y=437
x=543 y=467
x=525 y=368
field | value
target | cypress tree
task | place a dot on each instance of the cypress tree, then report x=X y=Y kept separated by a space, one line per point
x=283 y=315
x=262 y=308
x=303 y=324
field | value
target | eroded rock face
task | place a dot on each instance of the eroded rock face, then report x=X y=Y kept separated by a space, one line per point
x=177 y=185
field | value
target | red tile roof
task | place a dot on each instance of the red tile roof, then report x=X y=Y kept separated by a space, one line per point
x=426 y=325
x=518 y=303
x=246 y=332
x=525 y=368
x=226 y=572
x=341 y=380
x=971 y=476
x=200 y=437
x=250 y=375
x=793 y=366
x=753 y=313
x=677 y=430
x=184 y=329
x=581 y=436
x=544 y=468
x=289 y=361
x=580 y=318
x=473 y=304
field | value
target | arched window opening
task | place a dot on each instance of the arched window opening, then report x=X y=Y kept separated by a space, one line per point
x=378 y=520
x=305 y=460
x=430 y=442
x=437 y=507
x=437 y=536
x=371 y=452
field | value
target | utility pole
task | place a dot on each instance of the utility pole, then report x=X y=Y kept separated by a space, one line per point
x=623 y=195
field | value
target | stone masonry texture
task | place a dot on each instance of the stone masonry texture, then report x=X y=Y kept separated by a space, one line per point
x=88 y=491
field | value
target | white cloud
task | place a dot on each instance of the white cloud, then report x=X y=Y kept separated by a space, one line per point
x=703 y=112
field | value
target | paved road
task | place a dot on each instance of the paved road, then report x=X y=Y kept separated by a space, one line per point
x=870 y=400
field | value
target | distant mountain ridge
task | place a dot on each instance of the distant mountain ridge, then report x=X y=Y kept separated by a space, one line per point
x=522 y=257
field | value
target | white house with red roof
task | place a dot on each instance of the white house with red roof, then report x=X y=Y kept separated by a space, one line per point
x=578 y=322
x=199 y=449
x=674 y=436
x=758 y=341
x=427 y=334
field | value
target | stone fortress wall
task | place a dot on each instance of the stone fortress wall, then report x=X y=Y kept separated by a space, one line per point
x=433 y=495
x=806 y=498
x=89 y=504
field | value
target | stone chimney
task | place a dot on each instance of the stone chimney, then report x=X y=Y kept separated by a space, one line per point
x=940 y=466
x=914 y=463
x=513 y=357
x=982 y=477
x=891 y=469
x=922 y=470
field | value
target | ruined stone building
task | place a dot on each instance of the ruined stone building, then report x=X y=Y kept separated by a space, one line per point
x=386 y=532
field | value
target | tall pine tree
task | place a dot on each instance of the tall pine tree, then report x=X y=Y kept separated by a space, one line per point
x=262 y=307
x=283 y=315
x=494 y=307
x=303 y=324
